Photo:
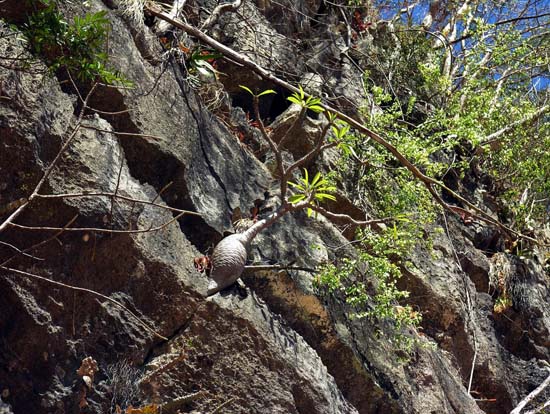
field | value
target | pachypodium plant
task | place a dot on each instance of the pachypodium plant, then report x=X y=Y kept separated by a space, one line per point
x=229 y=256
x=308 y=192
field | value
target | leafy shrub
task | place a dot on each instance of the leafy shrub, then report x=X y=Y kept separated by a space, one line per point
x=368 y=284
x=77 y=47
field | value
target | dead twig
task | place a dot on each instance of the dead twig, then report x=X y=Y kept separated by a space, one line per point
x=50 y=168
x=340 y=218
x=97 y=229
x=122 y=197
x=225 y=403
x=93 y=292
x=531 y=397
x=19 y=251
x=35 y=246
x=124 y=134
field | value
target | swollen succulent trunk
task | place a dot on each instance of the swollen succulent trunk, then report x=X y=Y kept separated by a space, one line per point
x=229 y=257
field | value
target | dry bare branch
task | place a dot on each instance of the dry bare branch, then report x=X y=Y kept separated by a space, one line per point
x=122 y=197
x=531 y=396
x=19 y=251
x=93 y=292
x=43 y=242
x=258 y=268
x=97 y=229
x=50 y=168
x=125 y=134
x=344 y=218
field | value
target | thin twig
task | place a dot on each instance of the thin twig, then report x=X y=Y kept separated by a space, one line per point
x=496 y=136
x=219 y=407
x=348 y=219
x=116 y=189
x=274 y=148
x=19 y=251
x=125 y=134
x=539 y=409
x=162 y=190
x=531 y=396
x=96 y=229
x=50 y=168
x=130 y=199
x=93 y=292
x=257 y=268
x=43 y=242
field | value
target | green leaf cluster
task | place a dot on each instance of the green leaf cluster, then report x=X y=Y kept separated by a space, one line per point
x=198 y=64
x=316 y=190
x=311 y=103
x=78 y=47
x=368 y=283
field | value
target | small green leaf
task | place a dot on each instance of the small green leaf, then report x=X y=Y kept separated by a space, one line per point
x=330 y=116
x=247 y=89
x=295 y=100
x=267 y=92
x=295 y=185
x=322 y=196
x=293 y=199
x=316 y=108
x=328 y=189
x=302 y=93
x=316 y=179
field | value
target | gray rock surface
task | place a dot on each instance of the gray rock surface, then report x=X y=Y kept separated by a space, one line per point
x=275 y=347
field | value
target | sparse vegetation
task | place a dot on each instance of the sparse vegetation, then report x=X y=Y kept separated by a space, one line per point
x=77 y=47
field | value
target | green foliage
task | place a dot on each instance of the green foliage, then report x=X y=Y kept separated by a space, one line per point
x=77 y=47
x=369 y=285
x=316 y=190
x=311 y=103
x=448 y=122
x=502 y=303
x=491 y=90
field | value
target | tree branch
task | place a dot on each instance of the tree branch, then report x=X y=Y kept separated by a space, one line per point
x=298 y=120
x=495 y=136
x=257 y=268
x=272 y=145
x=19 y=251
x=34 y=246
x=341 y=218
x=96 y=229
x=531 y=396
x=122 y=197
x=502 y=22
x=319 y=147
x=127 y=134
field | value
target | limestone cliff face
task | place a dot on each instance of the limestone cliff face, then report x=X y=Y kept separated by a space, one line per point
x=274 y=348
